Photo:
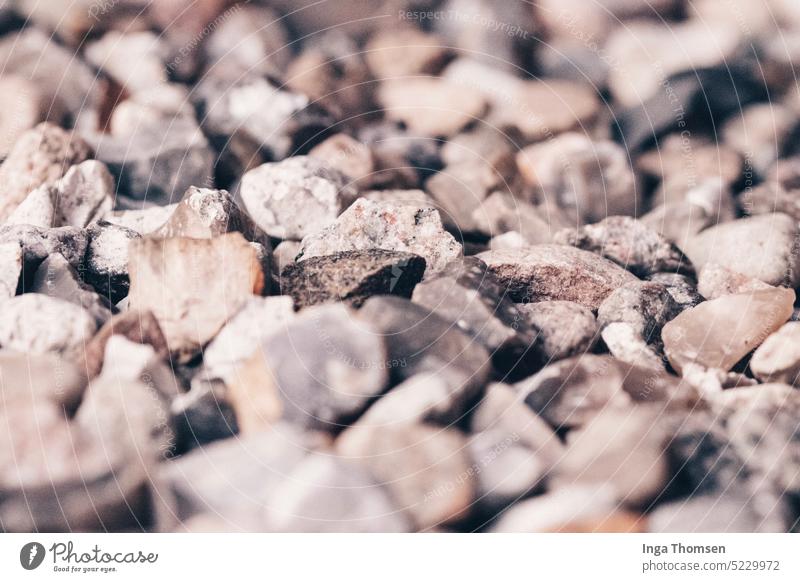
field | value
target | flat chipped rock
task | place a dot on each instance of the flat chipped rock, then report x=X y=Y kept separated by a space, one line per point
x=763 y=247
x=295 y=197
x=382 y=225
x=556 y=272
x=351 y=277
x=40 y=156
x=319 y=372
x=629 y=243
x=719 y=333
x=431 y=107
x=193 y=286
x=778 y=358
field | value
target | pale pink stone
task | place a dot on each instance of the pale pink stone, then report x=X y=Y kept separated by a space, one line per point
x=719 y=333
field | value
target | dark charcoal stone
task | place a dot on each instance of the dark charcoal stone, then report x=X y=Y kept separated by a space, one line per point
x=352 y=277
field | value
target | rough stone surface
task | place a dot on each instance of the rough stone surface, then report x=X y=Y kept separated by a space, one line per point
x=558 y=509
x=26 y=325
x=201 y=480
x=629 y=243
x=36 y=377
x=683 y=289
x=403 y=52
x=556 y=272
x=501 y=212
x=202 y=415
x=20 y=115
x=564 y=328
x=719 y=333
x=295 y=197
x=763 y=431
x=142 y=220
x=424 y=397
x=351 y=277
x=40 y=156
x=193 y=286
x=621 y=448
x=542 y=109
x=38 y=243
x=368 y=225
x=764 y=247
x=136 y=60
